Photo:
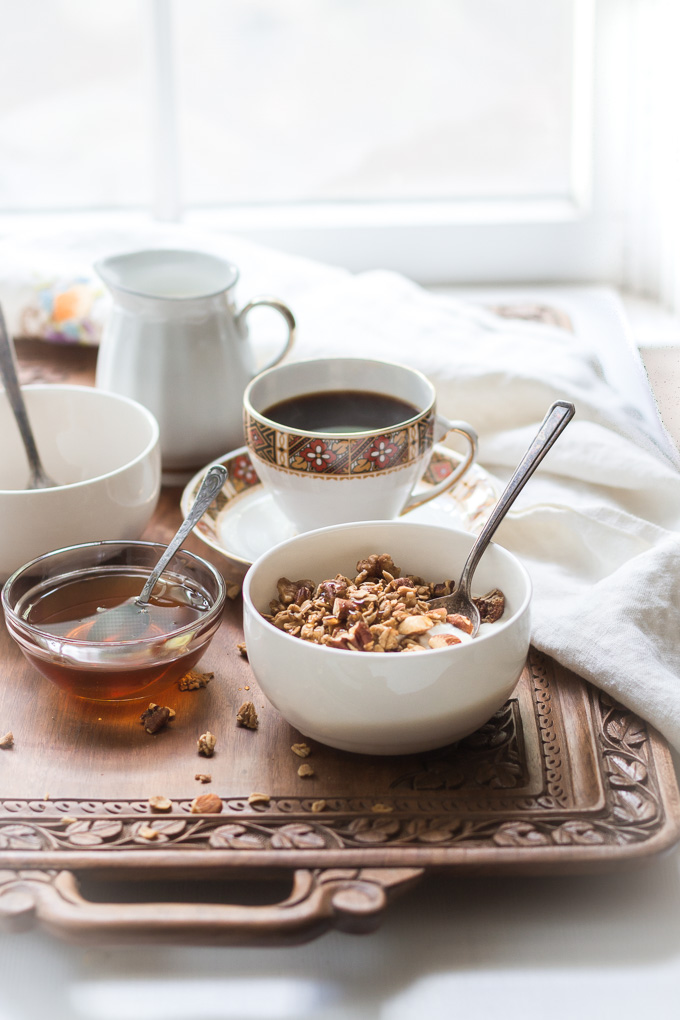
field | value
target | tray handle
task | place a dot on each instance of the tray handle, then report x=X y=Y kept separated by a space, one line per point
x=350 y=900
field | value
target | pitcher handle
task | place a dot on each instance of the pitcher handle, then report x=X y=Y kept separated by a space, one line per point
x=284 y=310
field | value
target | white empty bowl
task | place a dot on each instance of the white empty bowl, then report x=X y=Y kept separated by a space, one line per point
x=391 y=703
x=103 y=450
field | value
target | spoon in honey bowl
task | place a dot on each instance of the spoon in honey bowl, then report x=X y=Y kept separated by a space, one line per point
x=460 y=601
x=130 y=620
x=39 y=479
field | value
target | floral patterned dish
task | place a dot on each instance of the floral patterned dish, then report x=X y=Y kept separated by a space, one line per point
x=244 y=521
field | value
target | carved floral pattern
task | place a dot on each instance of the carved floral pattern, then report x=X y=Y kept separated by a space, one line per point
x=426 y=806
x=489 y=757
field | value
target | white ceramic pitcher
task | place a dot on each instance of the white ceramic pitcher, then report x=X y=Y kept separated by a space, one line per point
x=176 y=343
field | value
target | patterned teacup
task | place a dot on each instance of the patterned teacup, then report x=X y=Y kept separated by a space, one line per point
x=337 y=440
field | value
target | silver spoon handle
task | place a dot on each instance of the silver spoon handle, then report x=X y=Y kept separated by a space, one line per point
x=211 y=485
x=10 y=381
x=556 y=420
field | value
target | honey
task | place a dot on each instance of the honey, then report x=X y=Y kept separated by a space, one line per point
x=89 y=658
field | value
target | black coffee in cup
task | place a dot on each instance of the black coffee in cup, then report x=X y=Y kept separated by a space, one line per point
x=341 y=411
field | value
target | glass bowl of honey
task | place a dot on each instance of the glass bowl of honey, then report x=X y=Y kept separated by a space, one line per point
x=57 y=610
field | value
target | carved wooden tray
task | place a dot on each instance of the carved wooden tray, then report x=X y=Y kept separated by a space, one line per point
x=561 y=779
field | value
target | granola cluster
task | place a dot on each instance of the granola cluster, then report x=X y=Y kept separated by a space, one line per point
x=380 y=610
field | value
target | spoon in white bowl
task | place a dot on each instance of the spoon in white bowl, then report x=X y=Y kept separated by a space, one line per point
x=460 y=601
x=39 y=479
x=130 y=620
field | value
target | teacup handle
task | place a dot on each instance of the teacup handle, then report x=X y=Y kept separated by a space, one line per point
x=284 y=310
x=444 y=426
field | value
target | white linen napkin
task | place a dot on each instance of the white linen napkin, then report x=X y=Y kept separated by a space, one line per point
x=598 y=526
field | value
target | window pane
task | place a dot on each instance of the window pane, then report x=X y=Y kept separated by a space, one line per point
x=74 y=121
x=374 y=99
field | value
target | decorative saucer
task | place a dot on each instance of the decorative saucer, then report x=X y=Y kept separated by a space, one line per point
x=244 y=521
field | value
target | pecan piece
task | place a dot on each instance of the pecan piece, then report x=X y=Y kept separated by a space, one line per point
x=203 y=777
x=155 y=717
x=304 y=592
x=193 y=680
x=247 y=716
x=330 y=590
x=491 y=606
x=206 y=744
x=377 y=564
x=361 y=636
x=289 y=590
x=7 y=741
x=342 y=608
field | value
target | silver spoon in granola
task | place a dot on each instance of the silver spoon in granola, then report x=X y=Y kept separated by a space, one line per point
x=460 y=601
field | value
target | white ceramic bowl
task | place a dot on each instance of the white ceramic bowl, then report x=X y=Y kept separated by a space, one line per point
x=397 y=703
x=102 y=448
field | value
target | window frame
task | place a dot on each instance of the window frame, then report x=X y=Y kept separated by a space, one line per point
x=580 y=237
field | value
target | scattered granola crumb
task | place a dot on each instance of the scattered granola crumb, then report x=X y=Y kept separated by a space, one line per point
x=242 y=649
x=247 y=716
x=206 y=804
x=156 y=717
x=68 y=820
x=206 y=744
x=192 y=680
x=46 y=797
x=7 y=741
x=247 y=687
x=233 y=591
x=259 y=798
x=301 y=750
x=318 y=805
x=146 y=832
x=382 y=809
x=306 y=770
x=160 y=803
x=203 y=777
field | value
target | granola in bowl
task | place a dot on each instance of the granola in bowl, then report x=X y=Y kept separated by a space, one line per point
x=380 y=609
x=384 y=703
